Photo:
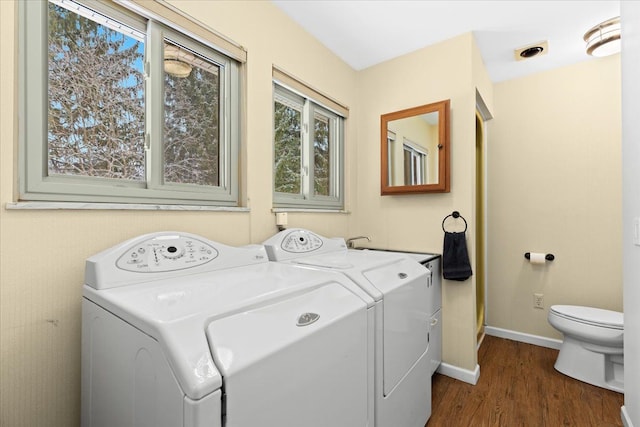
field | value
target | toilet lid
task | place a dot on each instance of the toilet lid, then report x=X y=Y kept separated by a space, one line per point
x=590 y=315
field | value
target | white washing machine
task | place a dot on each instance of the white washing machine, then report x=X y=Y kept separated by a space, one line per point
x=401 y=288
x=180 y=331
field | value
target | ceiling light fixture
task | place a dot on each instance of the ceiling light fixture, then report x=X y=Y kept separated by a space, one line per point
x=604 y=38
x=177 y=68
x=178 y=62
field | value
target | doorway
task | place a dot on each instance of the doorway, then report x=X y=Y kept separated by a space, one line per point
x=480 y=227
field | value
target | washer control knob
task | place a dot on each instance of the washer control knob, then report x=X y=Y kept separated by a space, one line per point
x=172 y=252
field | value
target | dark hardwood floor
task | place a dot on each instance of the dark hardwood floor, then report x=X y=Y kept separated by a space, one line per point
x=518 y=387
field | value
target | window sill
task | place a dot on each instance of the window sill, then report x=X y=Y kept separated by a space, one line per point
x=117 y=206
x=308 y=210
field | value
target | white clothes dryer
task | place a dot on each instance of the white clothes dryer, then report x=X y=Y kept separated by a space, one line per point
x=180 y=331
x=401 y=288
x=431 y=262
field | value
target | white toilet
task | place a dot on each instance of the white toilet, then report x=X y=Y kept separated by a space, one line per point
x=592 y=349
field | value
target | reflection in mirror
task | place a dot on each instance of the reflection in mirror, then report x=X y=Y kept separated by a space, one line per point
x=415 y=150
x=412 y=144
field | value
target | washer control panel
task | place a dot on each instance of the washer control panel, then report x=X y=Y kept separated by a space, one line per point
x=301 y=241
x=166 y=253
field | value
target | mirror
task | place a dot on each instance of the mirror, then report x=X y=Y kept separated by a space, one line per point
x=415 y=150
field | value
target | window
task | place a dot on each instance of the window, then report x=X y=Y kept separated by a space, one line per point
x=131 y=110
x=308 y=147
x=415 y=164
x=391 y=144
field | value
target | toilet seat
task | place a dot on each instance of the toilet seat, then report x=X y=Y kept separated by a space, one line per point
x=590 y=316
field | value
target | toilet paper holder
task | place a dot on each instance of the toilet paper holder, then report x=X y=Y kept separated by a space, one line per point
x=548 y=257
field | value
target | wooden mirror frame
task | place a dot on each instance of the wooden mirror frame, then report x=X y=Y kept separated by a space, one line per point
x=442 y=108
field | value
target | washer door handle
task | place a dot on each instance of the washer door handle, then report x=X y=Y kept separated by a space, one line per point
x=306 y=319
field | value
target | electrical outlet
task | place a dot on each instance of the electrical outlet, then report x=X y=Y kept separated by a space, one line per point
x=538 y=300
x=281 y=219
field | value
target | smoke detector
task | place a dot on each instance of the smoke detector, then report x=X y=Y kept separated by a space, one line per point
x=531 y=50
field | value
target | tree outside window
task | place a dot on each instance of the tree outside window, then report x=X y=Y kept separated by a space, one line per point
x=307 y=152
x=112 y=122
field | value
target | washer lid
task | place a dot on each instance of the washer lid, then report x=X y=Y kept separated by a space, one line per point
x=175 y=311
x=590 y=315
x=302 y=361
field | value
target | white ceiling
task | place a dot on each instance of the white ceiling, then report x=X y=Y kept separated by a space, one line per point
x=364 y=33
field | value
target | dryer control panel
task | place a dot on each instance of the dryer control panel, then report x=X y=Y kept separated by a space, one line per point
x=296 y=242
x=166 y=253
x=300 y=241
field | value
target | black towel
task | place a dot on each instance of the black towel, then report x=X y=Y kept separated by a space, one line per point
x=455 y=259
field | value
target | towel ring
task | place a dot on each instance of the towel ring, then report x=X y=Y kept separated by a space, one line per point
x=454 y=214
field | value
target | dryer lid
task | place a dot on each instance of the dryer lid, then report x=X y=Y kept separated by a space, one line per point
x=338 y=261
x=590 y=315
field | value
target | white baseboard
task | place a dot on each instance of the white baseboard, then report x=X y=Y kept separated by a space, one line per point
x=472 y=377
x=523 y=337
x=457 y=373
x=626 y=419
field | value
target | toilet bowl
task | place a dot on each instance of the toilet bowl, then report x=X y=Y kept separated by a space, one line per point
x=592 y=348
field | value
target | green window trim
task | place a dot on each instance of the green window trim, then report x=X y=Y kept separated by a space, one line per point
x=35 y=181
x=321 y=186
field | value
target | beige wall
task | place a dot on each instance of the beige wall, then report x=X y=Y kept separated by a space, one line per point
x=554 y=186
x=481 y=79
x=573 y=214
x=43 y=252
x=413 y=222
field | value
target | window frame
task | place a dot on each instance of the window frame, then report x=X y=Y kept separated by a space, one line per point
x=417 y=174
x=307 y=199
x=35 y=184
